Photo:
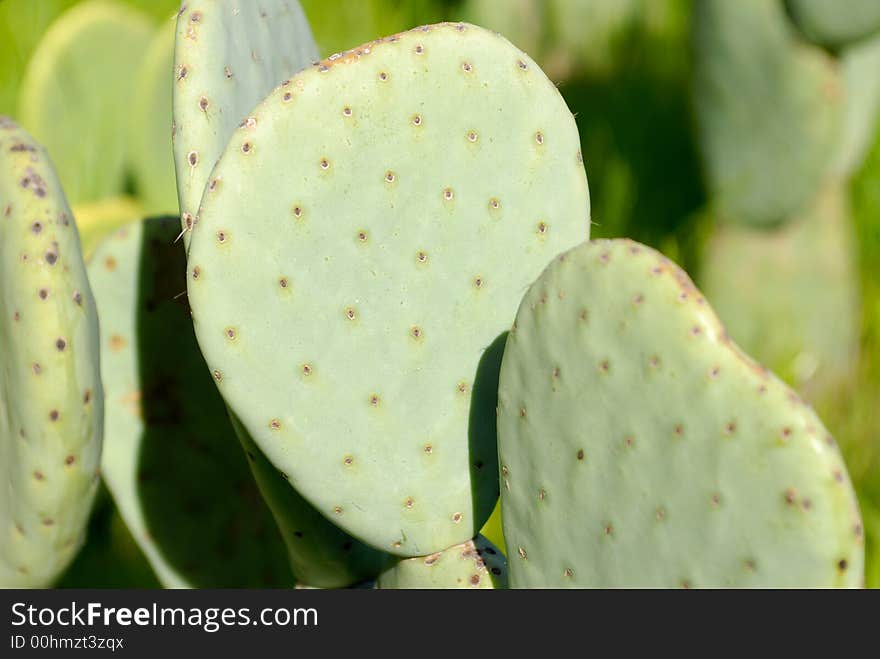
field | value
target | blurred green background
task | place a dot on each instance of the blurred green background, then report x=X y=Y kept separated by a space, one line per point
x=626 y=70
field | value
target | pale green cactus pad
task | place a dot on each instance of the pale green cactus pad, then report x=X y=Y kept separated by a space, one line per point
x=349 y=283
x=835 y=23
x=228 y=55
x=151 y=159
x=476 y=563
x=790 y=296
x=762 y=166
x=171 y=459
x=321 y=554
x=51 y=401
x=77 y=98
x=640 y=447
x=861 y=74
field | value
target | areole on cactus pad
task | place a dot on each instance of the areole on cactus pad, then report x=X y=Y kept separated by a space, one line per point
x=351 y=283
x=640 y=447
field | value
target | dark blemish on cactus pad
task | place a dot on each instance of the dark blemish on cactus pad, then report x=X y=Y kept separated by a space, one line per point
x=69 y=460
x=542 y=494
x=227 y=72
x=419 y=49
x=522 y=413
x=298 y=211
x=842 y=565
x=522 y=65
x=338 y=510
x=421 y=257
x=346 y=111
x=456 y=518
x=714 y=372
x=383 y=76
x=324 y=163
x=230 y=333
x=195 y=17
x=196 y=272
x=730 y=428
x=790 y=496
x=38 y=475
x=203 y=103
x=306 y=369
x=374 y=400
x=467 y=67
x=678 y=430
x=448 y=194
x=409 y=502
x=462 y=387
x=110 y=263
x=51 y=257
x=604 y=366
x=389 y=176
x=217 y=375
x=53 y=415
x=786 y=433
x=362 y=236
x=37 y=227
x=87 y=397
x=539 y=138
x=542 y=228
x=609 y=529
x=275 y=424
x=193 y=158
x=478 y=282
x=283 y=282
x=287 y=97
x=117 y=343
x=522 y=553
x=350 y=313
x=428 y=449
x=417 y=120
x=716 y=500
x=43 y=293
x=222 y=236
x=247 y=147
x=416 y=332
x=348 y=460
x=472 y=136
x=806 y=504
x=60 y=344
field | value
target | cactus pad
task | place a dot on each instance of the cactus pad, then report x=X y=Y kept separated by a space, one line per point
x=476 y=563
x=835 y=23
x=76 y=97
x=51 y=401
x=171 y=459
x=640 y=447
x=228 y=55
x=349 y=282
x=762 y=166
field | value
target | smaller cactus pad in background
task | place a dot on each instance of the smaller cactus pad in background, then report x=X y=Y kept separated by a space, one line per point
x=51 y=400
x=640 y=447
x=835 y=23
x=77 y=95
x=171 y=459
x=228 y=55
x=476 y=563
x=769 y=110
x=350 y=281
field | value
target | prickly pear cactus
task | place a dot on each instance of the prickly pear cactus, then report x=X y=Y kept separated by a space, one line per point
x=476 y=563
x=321 y=554
x=228 y=55
x=835 y=23
x=51 y=400
x=152 y=161
x=640 y=447
x=762 y=166
x=171 y=459
x=790 y=296
x=76 y=97
x=861 y=73
x=394 y=238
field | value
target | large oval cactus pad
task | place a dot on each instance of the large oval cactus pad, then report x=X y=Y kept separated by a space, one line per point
x=347 y=280
x=640 y=447
x=51 y=401
x=228 y=55
x=171 y=459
